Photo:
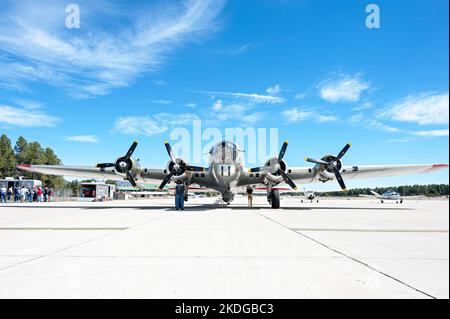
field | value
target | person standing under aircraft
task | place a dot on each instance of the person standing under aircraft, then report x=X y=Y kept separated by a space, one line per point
x=250 y=196
x=179 y=195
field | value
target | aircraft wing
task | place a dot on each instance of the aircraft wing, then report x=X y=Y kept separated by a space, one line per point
x=308 y=175
x=75 y=171
x=143 y=175
x=370 y=171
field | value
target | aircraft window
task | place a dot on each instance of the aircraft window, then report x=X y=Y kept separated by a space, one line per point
x=196 y=175
x=146 y=170
x=310 y=171
x=221 y=170
x=229 y=170
x=203 y=174
x=355 y=168
x=257 y=175
x=289 y=171
x=251 y=175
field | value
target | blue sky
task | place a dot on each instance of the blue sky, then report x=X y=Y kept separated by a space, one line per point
x=311 y=69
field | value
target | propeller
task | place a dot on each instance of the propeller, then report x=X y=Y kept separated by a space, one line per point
x=276 y=167
x=123 y=164
x=333 y=164
x=177 y=166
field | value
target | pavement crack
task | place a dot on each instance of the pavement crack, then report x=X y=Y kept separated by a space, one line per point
x=349 y=257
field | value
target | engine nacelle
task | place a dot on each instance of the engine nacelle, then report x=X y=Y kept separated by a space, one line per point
x=123 y=164
x=327 y=172
x=181 y=174
x=273 y=165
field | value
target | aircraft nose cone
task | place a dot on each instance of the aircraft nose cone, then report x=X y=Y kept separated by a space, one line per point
x=123 y=165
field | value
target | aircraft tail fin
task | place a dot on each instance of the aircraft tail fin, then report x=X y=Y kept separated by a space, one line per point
x=375 y=193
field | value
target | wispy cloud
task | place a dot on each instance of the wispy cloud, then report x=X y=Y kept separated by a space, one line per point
x=374 y=124
x=431 y=133
x=363 y=106
x=110 y=50
x=217 y=106
x=326 y=118
x=301 y=96
x=422 y=109
x=235 y=51
x=274 y=90
x=165 y=102
x=152 y=125
x=240 y=112
x=83 y=138
x=248 y=97
x=24 y=117
x=343 y=88
x=296 y=115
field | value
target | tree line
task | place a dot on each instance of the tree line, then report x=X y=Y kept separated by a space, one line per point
x=24 y=152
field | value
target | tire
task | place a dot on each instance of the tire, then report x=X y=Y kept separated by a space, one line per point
x=275 y=199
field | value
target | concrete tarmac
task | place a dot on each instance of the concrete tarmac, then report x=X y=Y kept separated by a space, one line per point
x=337 y=248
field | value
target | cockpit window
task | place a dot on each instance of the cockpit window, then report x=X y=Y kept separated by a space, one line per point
x=224 y=152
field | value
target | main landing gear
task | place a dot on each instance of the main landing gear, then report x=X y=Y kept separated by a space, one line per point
x=273 y=197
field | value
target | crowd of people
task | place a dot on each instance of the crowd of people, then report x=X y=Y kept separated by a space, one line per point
x=24 y=194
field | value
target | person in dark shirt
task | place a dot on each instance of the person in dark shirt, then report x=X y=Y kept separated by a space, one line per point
x=179 y=195
x=250 y=196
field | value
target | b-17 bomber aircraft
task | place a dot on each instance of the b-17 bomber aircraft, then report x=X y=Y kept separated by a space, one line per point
x=226 y=173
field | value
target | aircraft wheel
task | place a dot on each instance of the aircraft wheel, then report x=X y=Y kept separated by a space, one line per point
x=275 y=198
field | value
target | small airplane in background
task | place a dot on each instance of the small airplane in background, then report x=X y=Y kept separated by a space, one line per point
x=390 y=196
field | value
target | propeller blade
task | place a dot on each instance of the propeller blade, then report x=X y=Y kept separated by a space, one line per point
x=315 y=161
x=255 y=170
x=105 y=165
x=170 y=152
x=344 y=150
x=282 y=151
x=131 y=150
x=195 y=168
x=166 y=180
x=130 y=178
x=340 y=180
x=287 y=179
x=262 y=169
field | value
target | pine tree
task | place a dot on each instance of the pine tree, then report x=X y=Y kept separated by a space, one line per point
x=7 y=160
